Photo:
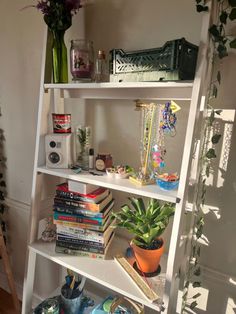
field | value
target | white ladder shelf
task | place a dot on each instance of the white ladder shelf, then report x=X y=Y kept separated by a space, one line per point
x=104 y=272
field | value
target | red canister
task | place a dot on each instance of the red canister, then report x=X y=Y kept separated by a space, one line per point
x=61 y=122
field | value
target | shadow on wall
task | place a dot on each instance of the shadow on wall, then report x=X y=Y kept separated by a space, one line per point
x=217 y=297
x=221 y=196
x=218 y=291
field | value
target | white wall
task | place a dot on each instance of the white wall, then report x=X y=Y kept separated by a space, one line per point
x=133 y=24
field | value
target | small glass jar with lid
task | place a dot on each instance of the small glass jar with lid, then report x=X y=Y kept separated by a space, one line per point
x=81 y=60
x=103 y=161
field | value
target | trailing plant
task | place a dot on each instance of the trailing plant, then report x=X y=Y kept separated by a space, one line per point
x=226 y=13
x=146 y=223
x=3 y=206
x=222 y=42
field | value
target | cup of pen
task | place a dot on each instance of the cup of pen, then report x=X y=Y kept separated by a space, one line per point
x=71 y=295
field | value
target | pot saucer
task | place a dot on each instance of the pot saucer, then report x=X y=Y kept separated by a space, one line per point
x=153 y=274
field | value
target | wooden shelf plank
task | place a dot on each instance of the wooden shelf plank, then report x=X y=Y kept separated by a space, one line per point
x=104 y=272
x=180 y=90
x=124 y=185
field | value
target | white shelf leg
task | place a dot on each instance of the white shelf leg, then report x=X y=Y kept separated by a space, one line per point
x=29 y=284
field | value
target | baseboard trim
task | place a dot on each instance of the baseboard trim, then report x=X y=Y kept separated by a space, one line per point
x=17 y=204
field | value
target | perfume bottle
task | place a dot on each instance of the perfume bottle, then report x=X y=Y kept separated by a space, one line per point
x=101 y=69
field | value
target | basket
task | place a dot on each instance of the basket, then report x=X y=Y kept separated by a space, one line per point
x=167 y=185
x=175 y=60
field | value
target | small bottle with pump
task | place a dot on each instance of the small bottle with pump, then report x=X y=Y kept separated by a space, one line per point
x=91 y=158
x=101 y=68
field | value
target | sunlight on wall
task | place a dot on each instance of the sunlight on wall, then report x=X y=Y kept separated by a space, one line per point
x=202 y=299
x=231 y=306
x=233 y=281
x=228 y=116
x=224 y=126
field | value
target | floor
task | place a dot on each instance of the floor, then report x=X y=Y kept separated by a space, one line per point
x=6 y=303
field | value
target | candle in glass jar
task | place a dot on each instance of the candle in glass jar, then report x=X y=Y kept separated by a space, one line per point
x=81 y=60
x=103 y=161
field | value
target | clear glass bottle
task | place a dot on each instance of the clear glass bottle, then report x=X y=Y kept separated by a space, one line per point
x=101 y=73
x=81 y=60
x=83 y=144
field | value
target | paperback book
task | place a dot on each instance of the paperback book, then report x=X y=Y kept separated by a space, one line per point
x=94 y=197
x=64 y=209
x=83 y=225
x=86 y=234
x=83 y=205
x=64 y=250
x=82 y=247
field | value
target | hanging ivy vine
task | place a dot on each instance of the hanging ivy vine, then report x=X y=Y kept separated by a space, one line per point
x=222 y=43
x=2 y=183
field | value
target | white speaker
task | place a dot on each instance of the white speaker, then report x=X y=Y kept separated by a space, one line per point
x=58 y=150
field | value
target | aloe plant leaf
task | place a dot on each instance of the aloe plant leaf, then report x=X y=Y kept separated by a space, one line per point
x=138 y=205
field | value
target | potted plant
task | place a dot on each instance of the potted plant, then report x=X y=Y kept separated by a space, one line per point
x=146 y=223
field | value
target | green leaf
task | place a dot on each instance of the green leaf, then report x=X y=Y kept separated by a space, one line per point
x=232 y=14
x=223 y=17
x=198 y=1
x=222 y=51
x=218 y=112
x=197 y=272
x=208 y=167
x=194 y=250
x=232 y=44
x=211 y=153
x=201 y=8
x=196 y=284
x=232 y=3
x=212 y=117
x=193 y=305
x=138 y=204
x=213 y=30
x=218 y=77
x=197 y=295
x=214 y=91
x=199 y=232
x=215 y=138
x=186 y=285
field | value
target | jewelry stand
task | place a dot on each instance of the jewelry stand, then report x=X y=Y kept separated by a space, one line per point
x=147 y=122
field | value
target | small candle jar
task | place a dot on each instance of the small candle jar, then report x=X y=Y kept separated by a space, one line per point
x=103 y=161
x=81 y=60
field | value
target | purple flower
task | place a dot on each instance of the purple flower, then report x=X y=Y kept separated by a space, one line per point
x=58 y=13
x=72 y=5
x=43 y=7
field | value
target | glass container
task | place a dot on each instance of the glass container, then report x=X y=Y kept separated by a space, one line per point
x=81 y=60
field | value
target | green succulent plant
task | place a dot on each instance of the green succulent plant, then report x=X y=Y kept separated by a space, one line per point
x=146 y=223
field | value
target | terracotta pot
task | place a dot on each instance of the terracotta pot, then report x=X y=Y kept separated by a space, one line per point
x=147 y=260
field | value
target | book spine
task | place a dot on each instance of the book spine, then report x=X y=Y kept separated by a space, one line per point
x=80 y=247
x=62 y=250
x=82 y=237
x=78 y=225
x=74 y=204
x=73 y=196
x=80 y=242
x=76 y=232
x=93 y=221
x=77 y=211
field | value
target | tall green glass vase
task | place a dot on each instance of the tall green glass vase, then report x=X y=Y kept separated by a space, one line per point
x=59 y=57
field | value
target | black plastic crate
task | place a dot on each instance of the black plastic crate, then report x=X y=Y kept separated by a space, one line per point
x=175 y=60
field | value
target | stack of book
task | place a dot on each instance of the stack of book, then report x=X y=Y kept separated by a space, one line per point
x=83 y=221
